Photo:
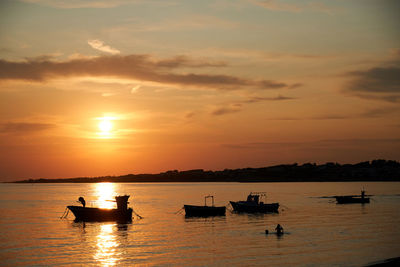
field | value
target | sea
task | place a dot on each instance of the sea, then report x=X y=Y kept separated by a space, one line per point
x=318 y=232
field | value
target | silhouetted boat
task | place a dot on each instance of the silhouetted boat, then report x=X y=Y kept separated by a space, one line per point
x=204 y=211
x=121 y=214
x=254 y=205
x=352 y=199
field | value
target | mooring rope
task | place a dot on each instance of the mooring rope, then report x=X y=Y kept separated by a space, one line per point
x=140 y=217
x=286 y=207
x=179 y=211
x=228 y=207
x=65 y=214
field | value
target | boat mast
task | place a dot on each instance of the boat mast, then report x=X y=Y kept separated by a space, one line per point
x=205 y=200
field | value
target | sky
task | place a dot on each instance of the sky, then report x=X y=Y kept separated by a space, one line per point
x=97 y=88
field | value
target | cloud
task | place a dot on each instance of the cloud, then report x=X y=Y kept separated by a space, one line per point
x=379 y=112
x=99 y=45
x=5 y=50
x=189 y=115
x=264 y=56
x=377 y=80
x=386 y=98
x=134 y=67
x=135 y=89
x=179 y=61
x=361 y=141
x=330 y=117
x=256 y=99
x=24 y=127
x=382 y=83
x=69 y=4
x=295 y=85
x=226 y=110
x=279 y=5
x=107 y=94
x=237 y=106
x=321 y=143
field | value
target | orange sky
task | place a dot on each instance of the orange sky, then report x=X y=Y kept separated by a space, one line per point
x=95 y=88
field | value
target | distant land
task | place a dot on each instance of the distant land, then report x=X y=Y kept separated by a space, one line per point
x=376 y=170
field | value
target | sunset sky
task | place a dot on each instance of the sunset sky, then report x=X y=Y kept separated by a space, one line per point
x=95 y=88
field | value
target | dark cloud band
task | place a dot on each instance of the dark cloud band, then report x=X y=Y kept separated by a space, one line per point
x=137 y=67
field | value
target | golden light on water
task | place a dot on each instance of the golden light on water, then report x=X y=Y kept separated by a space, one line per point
x=107 y=245
x=106 y=195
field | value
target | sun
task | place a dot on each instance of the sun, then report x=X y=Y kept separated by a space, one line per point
x=105 y=126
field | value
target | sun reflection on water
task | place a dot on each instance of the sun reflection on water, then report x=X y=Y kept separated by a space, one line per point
x=107 y=246
x=105 y=193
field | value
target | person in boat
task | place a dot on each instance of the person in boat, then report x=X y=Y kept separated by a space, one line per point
x=82 y=200
x=279 y=229
x=362 y=194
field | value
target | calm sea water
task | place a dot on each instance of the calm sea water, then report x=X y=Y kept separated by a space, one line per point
x=319 y=232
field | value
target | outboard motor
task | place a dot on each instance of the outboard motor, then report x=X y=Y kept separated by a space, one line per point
x=122 y=202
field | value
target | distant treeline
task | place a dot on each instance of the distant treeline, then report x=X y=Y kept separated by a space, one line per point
x=376 y=170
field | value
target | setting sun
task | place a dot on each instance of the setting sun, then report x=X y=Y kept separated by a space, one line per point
x=105 y=125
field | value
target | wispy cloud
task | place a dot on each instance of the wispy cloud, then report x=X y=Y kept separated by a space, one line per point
x=379 y=112
x=24 y=127
x=135 y=88
x=226 y=110
x=381 y=82
x=237 y=106
x=320 y=143
x=190 y=114
x=191 y=22
x=69 y=4
x=266 y=56
x=280 y=5
x=135 y=67
x=256 y=99
x=99 y=45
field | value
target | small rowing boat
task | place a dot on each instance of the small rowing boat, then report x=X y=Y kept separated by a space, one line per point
x=88 y=214
x=352 y=199
x=204 y=211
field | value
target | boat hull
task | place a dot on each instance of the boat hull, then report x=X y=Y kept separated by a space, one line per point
x=251 y=207
x=84 y=214
x=204 y=211
x=351 y=199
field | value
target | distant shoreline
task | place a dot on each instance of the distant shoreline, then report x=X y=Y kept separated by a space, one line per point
x=368 y=171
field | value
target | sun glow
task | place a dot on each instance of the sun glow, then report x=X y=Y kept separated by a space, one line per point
x=105 y=126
